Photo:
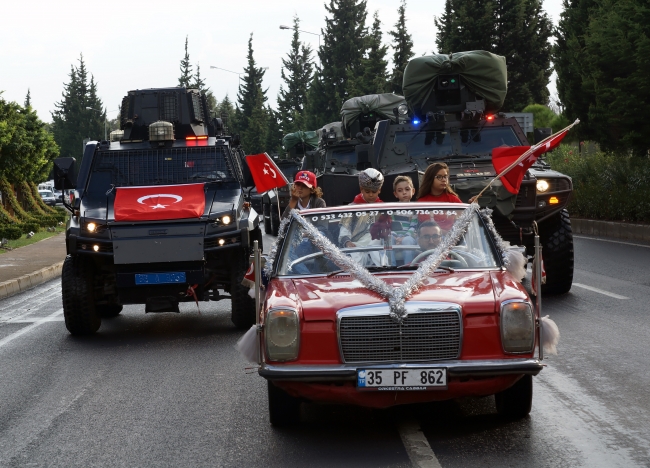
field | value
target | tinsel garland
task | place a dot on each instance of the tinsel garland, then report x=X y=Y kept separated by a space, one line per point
x=514 y=261
x=270 y=261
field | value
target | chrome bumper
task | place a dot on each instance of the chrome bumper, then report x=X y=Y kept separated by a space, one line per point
x=329 y=373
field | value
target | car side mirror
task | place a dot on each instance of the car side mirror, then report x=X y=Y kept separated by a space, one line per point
x=65 y=173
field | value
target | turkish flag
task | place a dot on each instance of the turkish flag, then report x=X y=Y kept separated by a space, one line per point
x=512 y=162
x=159 y=202
x=265 y=173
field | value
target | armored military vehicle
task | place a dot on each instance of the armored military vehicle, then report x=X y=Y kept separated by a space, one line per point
x=452 y=116
x=160 y=216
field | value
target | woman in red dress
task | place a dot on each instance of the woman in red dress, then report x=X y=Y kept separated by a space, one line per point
x=435 y=187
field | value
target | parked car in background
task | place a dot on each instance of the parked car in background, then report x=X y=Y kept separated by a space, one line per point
x=58 y=195
x=48 y=197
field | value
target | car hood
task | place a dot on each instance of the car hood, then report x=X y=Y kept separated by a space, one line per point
x=320 y=298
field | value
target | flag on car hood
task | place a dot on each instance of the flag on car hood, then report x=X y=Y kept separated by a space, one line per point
x=159 y=202
x=265 y=173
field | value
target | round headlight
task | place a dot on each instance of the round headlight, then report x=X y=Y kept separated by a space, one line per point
x=403 y=109
x=542 y=185
x=91 y=227
x=226 y=219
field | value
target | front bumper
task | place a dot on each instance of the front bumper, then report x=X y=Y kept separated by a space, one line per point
x=456 y=368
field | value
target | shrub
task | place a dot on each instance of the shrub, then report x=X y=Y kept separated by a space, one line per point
x=10 y=231
x=30 y=226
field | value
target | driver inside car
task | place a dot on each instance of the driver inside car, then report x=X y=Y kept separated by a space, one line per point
x=428 y=235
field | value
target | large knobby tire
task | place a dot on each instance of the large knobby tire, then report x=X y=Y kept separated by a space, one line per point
x=517 y=401
x=284 y=410
x=79 y=312
x=556 y=238
x=243 y=306
x=267 y=218
x=109 y=310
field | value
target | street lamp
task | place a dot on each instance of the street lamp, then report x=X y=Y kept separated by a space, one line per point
x=97 y=110
x=284 y=26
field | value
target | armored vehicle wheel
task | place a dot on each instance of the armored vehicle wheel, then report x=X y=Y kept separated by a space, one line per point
x=284 y=410
x=275 y=222
x=516 y=402
x=267 y=218
x=243 y=306
x=556 y=237
x=109 y=310
x=81 y=317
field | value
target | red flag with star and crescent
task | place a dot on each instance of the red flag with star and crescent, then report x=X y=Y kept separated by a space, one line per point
x=159 y=202
x=265 y=173
x=504 y=159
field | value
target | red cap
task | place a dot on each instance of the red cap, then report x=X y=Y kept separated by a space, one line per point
x=307 y=178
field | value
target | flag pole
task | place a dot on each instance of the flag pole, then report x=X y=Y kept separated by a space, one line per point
x=257 y=262
x=528 y=152
x=277 y=197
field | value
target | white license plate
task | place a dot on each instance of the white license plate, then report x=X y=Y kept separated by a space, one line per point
x=401 y=379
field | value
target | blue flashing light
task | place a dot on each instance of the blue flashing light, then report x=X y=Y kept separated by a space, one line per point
x=416 y=121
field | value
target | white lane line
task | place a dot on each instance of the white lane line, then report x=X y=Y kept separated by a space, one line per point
x=27 y=329
x=612 y=241
x=44 y=319
x=600 y=291
x=417 y=445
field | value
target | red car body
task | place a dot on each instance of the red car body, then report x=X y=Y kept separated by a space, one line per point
x=320 y=373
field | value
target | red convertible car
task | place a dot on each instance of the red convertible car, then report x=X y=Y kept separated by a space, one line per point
x=330 y=334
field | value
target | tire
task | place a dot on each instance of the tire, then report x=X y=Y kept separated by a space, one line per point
x=79 y=312
x=109 y=310
x=517 y=401
x=267 y=218
x=284 y=410
x=242 y=305
x=275 y=222
x=556 y=238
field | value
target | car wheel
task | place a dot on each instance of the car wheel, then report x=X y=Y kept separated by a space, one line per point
x=79 y=312
x=109 y=310
x=284 y=410
x=556 y=238
x=243 y=306
x=517 y=401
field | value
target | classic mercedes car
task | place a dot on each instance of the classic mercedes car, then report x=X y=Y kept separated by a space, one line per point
x=330 y=334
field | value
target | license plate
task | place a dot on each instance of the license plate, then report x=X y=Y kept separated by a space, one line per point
x=401 y=379
x=160 y=278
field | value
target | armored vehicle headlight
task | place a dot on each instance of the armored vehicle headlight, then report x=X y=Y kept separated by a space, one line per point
x=403 y=109
x=91 y=227
x=517 y=327
x=542 y=185
x=282 y=335
x=226 y=219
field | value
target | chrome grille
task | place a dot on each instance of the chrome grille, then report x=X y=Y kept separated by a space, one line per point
x=423 y=336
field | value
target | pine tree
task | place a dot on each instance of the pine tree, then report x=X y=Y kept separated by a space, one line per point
x=403 y=50
x=274 y=132
x=198 y=82
x=226 y=112
x=28 y=99
x=254 y=136
x=343 y=48
x=297 y=75
x=186 y=69
x=249 y=87
x=374 y=66
x=72 y=122
x=466 y=25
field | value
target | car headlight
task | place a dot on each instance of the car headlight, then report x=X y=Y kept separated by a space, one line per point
x=542 y=185
x=517 y=327
x=226 y=219
x=282 y=334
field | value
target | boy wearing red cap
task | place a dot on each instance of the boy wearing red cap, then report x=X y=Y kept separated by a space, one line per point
x=305 y=193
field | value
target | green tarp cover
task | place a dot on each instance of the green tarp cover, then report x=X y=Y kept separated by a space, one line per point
x=382 y=104
x=483 y=72
x=292 y=139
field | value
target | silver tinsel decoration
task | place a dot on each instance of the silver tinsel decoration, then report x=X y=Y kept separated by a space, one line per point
x=513 y=260
x=270 y=261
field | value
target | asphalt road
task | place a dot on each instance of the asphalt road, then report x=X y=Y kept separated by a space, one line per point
x=170 y=390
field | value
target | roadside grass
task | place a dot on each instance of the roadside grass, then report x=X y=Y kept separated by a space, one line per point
x=23 y=241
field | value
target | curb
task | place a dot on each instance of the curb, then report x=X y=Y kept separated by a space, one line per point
x=25 y=282
x=628 y=231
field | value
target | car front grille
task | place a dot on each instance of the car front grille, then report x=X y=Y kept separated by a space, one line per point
x=425 y=335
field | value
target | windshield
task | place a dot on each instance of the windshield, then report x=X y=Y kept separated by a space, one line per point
x=479 y=141
x=167 y=166
x=429 y=143
x=45 y=193
x=385 y=239
x=345 y=156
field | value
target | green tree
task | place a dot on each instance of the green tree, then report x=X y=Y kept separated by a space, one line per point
x=343 y=48
x=186 y=69
x=226 y=112
x=373 y=65
x=254 y=136
x=402 y=50
x=249 y=87
x=297 y=74
x=28 y=98
x=516 y=29
x=274 y=132
x=79 y=114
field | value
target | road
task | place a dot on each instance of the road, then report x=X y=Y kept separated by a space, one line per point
x=171 y=390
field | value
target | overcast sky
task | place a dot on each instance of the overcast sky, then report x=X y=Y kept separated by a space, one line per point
x=138 y=44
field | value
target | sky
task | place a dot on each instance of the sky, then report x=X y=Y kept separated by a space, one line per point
x=133 y=45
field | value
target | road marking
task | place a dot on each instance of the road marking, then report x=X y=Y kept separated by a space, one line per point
x=600 y=291
x=417 y=445
x=612 y=241
x=29 y=328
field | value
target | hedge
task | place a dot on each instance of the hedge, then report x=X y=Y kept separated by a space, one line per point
x=10 y=231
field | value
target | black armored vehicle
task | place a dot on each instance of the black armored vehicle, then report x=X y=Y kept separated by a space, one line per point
x=160 y=217
x=452 y=115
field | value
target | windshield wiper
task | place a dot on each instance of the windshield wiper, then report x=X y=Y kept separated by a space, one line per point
x=369 y=268
x=408 y=266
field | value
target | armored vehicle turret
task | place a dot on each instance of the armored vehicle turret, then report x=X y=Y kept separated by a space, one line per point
x=160 y=217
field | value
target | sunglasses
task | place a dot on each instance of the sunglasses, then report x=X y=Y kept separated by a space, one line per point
x=428 y=237
x=442 y=177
